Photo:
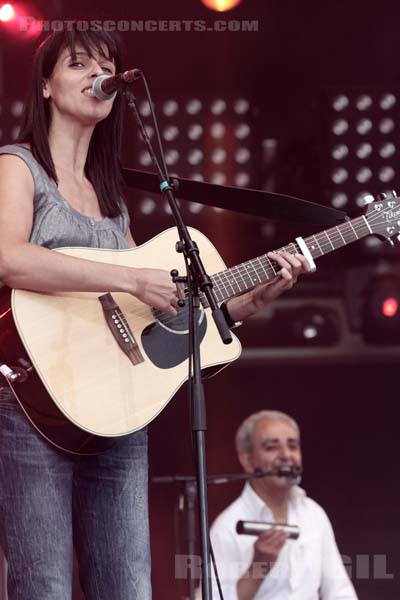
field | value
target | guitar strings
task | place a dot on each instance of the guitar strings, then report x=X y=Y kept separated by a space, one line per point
x=267 y=269
x=242 y=269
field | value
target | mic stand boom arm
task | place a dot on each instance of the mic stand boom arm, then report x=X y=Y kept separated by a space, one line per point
x=223 y=477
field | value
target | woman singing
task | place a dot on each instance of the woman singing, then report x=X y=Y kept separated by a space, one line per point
x=60 y=186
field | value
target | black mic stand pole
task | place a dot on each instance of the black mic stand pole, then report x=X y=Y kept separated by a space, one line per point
x=197 y=280
x=190 y=502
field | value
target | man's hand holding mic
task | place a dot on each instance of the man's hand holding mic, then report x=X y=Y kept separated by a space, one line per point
x=267 y=548
x=265 y=554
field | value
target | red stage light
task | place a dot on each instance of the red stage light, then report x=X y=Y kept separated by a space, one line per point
x=7 y=13
x=390 y=307
x=16 y=20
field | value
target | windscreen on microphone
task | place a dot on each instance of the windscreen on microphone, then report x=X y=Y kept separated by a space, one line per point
x=281 y=471
x=105 y=87
x=289 y=471
x=257 y=527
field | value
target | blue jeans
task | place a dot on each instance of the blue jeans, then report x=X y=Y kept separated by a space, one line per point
x=50 y=502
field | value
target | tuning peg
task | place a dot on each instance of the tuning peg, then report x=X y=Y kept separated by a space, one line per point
x=398 y=237
x=391 y=242
x=387 y=194
x=368 y=198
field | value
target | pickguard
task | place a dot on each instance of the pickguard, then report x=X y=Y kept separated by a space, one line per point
x=166 y=341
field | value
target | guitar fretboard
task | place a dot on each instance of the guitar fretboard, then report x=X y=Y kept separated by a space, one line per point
x=262 y=269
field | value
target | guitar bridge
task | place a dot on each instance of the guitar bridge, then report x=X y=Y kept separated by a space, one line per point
x=120 y=329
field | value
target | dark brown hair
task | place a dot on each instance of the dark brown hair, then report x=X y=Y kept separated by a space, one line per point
x=102 y=167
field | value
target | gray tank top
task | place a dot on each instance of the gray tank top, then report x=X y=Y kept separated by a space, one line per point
x=57 y=224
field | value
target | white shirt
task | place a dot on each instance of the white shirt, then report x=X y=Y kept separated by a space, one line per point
x=309 y=568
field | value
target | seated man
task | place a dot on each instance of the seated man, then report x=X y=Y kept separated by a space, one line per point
x=271 y=566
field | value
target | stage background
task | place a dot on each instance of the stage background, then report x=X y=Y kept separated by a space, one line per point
x=342 y=389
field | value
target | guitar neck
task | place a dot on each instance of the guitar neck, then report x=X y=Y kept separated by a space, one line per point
x=247 y=275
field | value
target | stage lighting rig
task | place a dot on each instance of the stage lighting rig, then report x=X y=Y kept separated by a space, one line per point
x=381 y=314
x=362 y=144
x=7 y=12
x=205 y=139
x=221 y=5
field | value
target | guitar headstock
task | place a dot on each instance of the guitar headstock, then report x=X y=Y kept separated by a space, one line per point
x=383 y=215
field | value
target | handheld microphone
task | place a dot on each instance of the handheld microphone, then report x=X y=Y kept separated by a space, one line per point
x=257 y=527
x=105 y=87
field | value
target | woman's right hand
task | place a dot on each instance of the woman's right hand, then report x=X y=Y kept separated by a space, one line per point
x=156 y=288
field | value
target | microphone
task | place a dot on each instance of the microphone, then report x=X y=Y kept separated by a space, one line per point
x=281 y=471
x=293 y=471
x=257 y=527
x=105 y=87
x=291 y=474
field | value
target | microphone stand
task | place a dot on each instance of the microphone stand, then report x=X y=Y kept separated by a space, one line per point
x=197 y=279
x=190 y=503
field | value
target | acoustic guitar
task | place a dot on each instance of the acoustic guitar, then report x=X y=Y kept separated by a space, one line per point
x=97 y=366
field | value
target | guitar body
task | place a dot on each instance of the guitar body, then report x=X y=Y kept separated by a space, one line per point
x=84 y=390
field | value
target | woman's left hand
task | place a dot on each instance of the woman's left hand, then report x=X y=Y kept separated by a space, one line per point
x=292 y=265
